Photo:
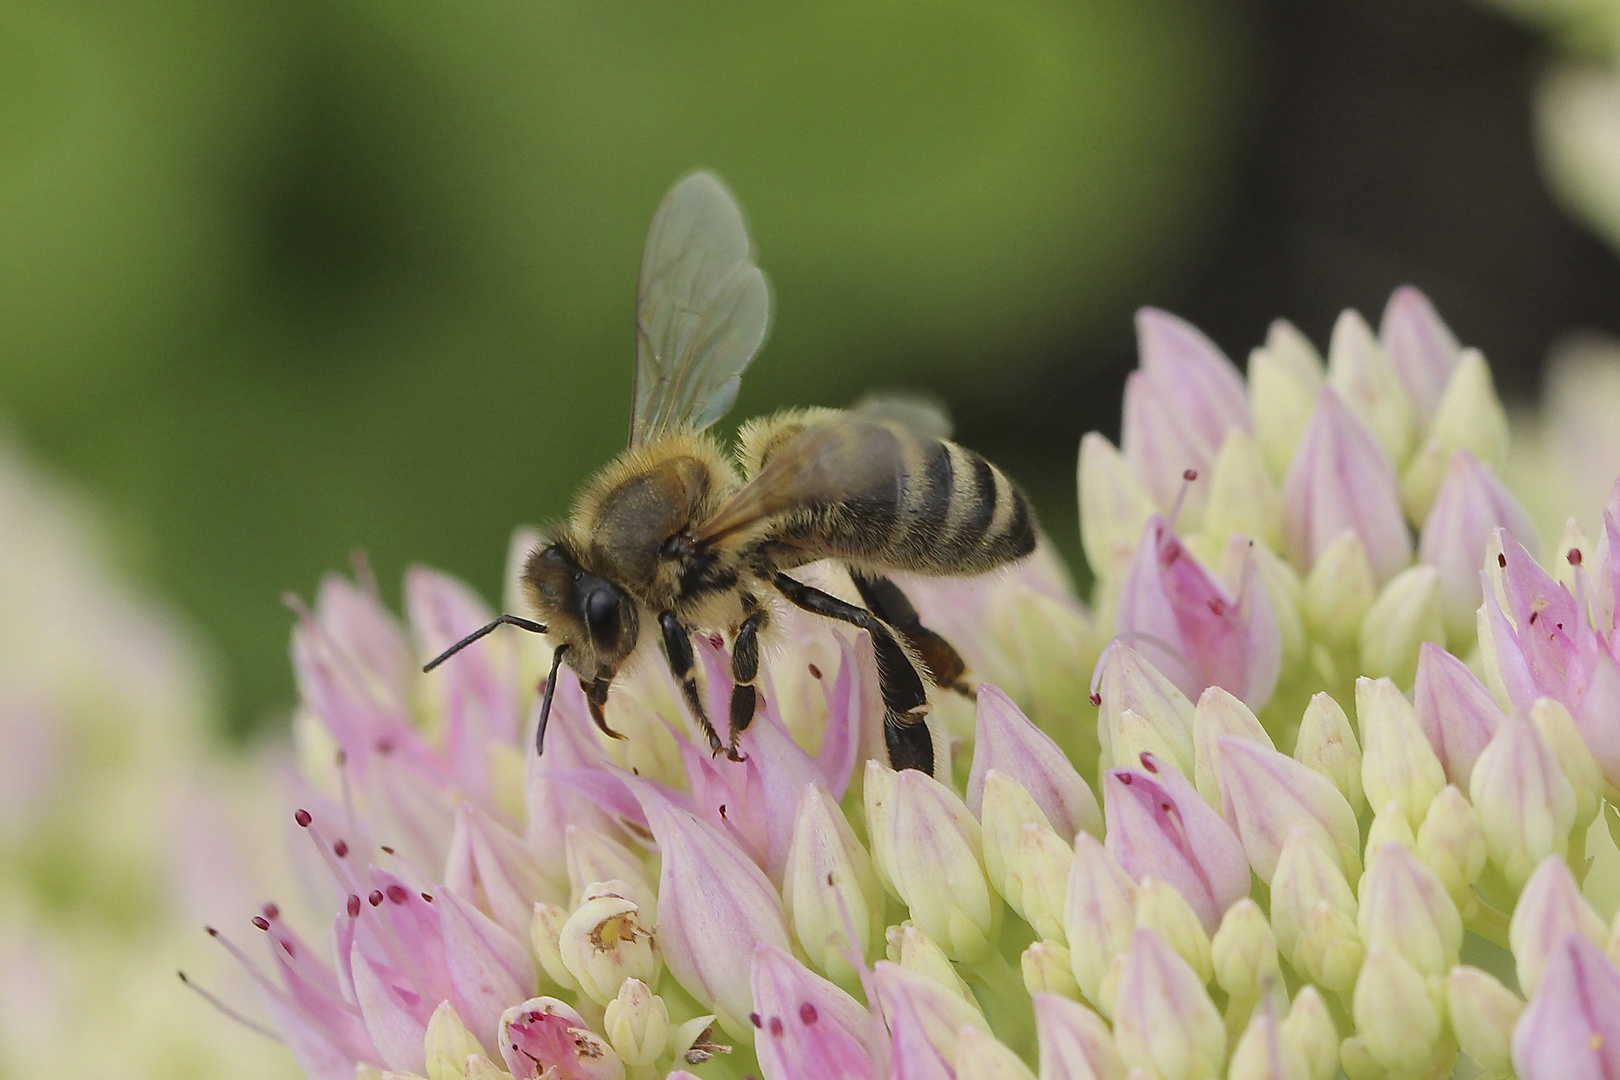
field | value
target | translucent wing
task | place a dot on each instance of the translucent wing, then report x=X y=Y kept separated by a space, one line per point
x=702 y=311
x=918 y=410
x=834 y=460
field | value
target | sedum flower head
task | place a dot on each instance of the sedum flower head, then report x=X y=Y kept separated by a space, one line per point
x=1336 y=802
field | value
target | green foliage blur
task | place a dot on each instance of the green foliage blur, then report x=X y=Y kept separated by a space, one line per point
x=281 y=279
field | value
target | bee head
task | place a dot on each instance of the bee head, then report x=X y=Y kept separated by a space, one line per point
x=595 y=618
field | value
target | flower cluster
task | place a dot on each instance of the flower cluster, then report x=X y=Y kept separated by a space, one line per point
x=1352 y=808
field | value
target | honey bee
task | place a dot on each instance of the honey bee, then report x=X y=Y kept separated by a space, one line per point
x=676 y=532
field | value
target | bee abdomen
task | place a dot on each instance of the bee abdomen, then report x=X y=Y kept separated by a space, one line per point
x=931 y=507
x=959 y=514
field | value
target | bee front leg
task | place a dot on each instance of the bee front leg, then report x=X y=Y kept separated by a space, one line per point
x=744 y=669
x=678 y=651
x=905 y=697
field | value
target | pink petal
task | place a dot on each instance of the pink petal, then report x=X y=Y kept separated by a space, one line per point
x=1005 y=740
x=1471 y=505
x=1455 y=711
x=478 y=687
x=1179 y=405
x=1160 y=827
x=1075 y=1042
x=1421 y=348
x=396 y=1018
x=714 y=907
x=1571 y=1028
x=809 y=1029
x=489 y=968
x=1340 y=479
x=911 y=1055
x=490 y=862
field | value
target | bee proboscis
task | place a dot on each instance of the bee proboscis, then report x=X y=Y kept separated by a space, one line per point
x=676 y=532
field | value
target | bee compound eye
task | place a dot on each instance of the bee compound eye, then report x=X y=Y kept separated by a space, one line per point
x=602 y=614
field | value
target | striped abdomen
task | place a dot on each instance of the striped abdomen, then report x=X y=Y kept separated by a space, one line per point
x=890 y=496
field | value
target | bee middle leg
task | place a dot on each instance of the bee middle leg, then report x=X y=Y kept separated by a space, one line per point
x=678 y=651
x=744 y=669
x=945 y=664
x=905 y=697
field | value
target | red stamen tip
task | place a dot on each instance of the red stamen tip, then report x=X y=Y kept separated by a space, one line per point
x=428 y=897
x=1574 y=556
x=354 y=906
x=387 y=850
x=1501 y=560
x=341 y=848
x=807 y=1013
x=1096 y=699
x=397 y=894
x=210 y=931
x=376 y=898
x=753 y=1018
x=1125 y=778
x=303 y=818
x=271 y=911
x=261 y=922
x=1190 y=475
x=776 y=1026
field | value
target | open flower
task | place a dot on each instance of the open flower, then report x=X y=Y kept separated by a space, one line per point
x=645 y=910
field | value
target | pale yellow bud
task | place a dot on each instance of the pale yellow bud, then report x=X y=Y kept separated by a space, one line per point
x=1395 y=1016
x=1389 y=826
x=1327 y=745
x=1526 y=805
x=448 y=1044
x=1452 y=843
x=1263 y=1054
x=1557 y=727
x=1310 y=1027
x=1406 y=613
x=1470 y=417
x=1338 y=591
x=1114 y=506
x=1405 y=907
x=1099 y=914
x=545 y=933
x=1396 y=759
x=1024 y=858
x=1361 y=373
x=593 y=857
x=637 y=1024
x=1307 y=877
x=1285 y=377
x=1047 y=968
x=479 y=1067
x=1164 y=1020
x=1242 y=494
x=829 y=889
x=693 y=1042
x=1287 y=594
x=1329 y=950
x=604 y=943
x=1483 y=1013
x=914 y=950
x=1160 y=908
x=1243 y=952
x=1218 y=713
x=981 y=1056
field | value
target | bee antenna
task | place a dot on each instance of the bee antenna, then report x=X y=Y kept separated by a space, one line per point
x=545 y=702
x=505 y=620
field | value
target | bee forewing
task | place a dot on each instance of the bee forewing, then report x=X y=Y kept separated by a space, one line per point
x=702 y=311
x=822 y=464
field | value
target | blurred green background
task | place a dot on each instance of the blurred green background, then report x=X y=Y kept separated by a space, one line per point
x=283 y=279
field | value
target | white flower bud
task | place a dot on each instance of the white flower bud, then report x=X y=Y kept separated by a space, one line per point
x=637 y=1024
x=604 y=943
x=1483 y=1013
x=1327 y=745
x=448 y=1044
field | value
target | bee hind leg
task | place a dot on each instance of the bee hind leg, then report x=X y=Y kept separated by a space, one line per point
x=945 y=664
x=905 y=696
x=678 y=651
x=744 y=669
